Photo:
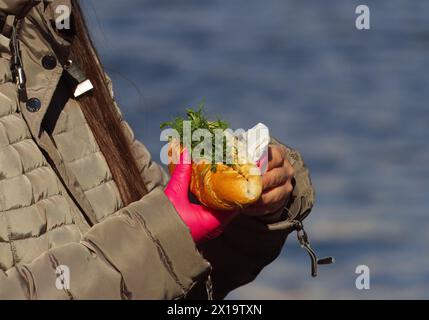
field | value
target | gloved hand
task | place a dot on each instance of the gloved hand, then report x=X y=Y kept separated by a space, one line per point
x=204 y=223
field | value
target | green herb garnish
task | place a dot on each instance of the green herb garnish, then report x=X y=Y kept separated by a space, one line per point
x=199 y=121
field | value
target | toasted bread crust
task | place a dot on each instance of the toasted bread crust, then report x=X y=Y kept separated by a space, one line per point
x=228 y=187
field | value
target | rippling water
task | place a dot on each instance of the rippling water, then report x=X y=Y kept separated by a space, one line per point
x=355 y=103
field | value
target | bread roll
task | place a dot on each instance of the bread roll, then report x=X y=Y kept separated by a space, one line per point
x=228 y=188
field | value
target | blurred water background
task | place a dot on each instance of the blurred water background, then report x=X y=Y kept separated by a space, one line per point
x=355 y=103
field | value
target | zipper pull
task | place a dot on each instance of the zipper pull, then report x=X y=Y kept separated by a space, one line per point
x=305 y=244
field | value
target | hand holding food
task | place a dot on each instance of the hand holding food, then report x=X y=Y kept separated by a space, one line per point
x=276 y=184
x=203 y=223
x=234 y=182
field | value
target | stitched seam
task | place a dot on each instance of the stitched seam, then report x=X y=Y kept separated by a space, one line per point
x=111 y=214
x=61 y=226
x=11 y=144
x=107 y=215
x=15 y=258
x=13 y=113
x=67 y=130
x=83 y=157
x=27 y=172
x=27 y=134
x=7 y=115
x=24 y=173
x=162 y=254
x=101 y=183
x=55 y=265
x=31 y=204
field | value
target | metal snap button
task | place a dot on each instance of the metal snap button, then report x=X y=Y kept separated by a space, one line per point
x=33 y=105
x=49 y=62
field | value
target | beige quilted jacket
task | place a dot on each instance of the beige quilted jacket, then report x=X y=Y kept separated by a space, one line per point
x=60 y=207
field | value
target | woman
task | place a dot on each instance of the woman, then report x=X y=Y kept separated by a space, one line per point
x=80 y=196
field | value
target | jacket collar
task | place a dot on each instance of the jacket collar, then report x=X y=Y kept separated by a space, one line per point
x=38 y=39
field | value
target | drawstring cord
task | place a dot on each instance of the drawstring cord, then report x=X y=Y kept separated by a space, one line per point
x=16 y=61
x=209 y=287
x=305 y=244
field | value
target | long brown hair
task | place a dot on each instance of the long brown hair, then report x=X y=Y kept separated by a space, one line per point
x=102 y=116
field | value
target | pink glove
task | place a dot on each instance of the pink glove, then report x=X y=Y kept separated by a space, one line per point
x=204 y=223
